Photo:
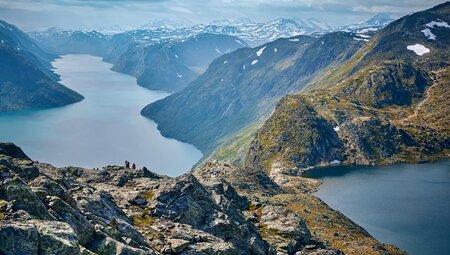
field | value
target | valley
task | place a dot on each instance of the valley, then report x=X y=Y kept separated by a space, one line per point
x=288 y=136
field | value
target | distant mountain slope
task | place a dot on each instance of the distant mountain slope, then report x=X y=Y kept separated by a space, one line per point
x=241 y=87
x=171 y=66
x=14 y=38
x=25 y=80
x=73 y=42
x=392 y=106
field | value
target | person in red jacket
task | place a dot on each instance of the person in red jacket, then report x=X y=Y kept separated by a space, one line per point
x=133 y=166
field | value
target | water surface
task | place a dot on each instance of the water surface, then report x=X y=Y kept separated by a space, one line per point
x=105 y=128
x=405 y=205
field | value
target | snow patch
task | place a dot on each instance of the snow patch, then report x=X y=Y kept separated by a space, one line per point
x=294 y=40
x=176 y=56
x=419 y=49
x=179 y=75
x=243 y=67
x=218 y=51
x=260 y=51
x=363 y=36
x=427 y=32
x=438 y=23
x=254 y=61
x=335 y=162
x=336 y=128
x=239 y=42
x=225 y=62
x=275 y=50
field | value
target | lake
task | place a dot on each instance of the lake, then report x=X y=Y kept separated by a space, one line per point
x=405 y=205
x=105 y=128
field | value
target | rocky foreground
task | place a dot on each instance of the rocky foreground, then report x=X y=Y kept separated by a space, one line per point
x=216 y=209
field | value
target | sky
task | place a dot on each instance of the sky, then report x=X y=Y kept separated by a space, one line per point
x=32 y=15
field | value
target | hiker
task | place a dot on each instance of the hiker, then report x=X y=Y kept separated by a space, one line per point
x=134 y=166
x=127 y=164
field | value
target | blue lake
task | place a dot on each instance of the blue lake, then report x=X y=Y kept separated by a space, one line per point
x=105 y=128
x=405 y=205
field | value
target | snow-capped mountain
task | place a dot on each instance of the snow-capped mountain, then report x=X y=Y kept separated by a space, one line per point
x=112 y=45
x=254 y=33
x=373 y=24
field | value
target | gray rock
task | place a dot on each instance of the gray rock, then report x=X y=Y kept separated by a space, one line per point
x=18 y=238
x=64 y=212
x=21 y=197
x=290 y=230
x=56 y=238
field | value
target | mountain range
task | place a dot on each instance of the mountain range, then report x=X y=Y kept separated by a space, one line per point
x=241 y=87
x=350 y=91
x=135 y=52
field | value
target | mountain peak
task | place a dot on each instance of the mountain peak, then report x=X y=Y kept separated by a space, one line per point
x=380 y=19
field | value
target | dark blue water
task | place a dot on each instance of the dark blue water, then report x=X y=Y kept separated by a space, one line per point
x=406 y=205
x=105 y=128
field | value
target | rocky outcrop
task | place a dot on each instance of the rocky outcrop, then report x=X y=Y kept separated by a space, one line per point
x=370 y=118
x=48 y=210
x=9 y=149
x=289 y=219
x=217 y=209
x=295 y=137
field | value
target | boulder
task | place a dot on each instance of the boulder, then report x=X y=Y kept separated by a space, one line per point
x=18 y=238
x=56 y=238
x=64 y=212
x=285 y=229
x=21 y=197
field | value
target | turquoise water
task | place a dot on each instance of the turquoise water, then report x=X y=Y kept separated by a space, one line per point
x=106 y=128
x=405 y=205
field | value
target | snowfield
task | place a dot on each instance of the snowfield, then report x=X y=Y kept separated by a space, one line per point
x=419 y=49
x=427 y=32
x=439 y=23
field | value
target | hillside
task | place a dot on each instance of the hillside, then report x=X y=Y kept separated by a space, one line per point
x=242 y=87
x=171 y=66
x=25 y=78
x=393 y=107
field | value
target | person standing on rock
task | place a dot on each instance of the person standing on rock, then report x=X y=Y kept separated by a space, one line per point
x=127 y=164
x=134 y=166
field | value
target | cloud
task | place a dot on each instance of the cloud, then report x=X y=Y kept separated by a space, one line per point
x=38 y=14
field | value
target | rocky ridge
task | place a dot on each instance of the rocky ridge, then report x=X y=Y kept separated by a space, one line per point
x=71 y=210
